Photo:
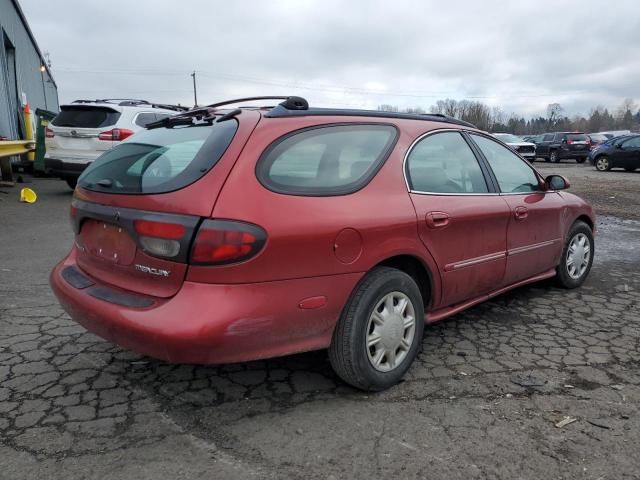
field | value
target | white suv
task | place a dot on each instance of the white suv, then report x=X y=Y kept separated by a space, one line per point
x=84 y=129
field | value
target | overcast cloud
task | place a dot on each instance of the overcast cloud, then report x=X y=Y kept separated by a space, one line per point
x=518 y=55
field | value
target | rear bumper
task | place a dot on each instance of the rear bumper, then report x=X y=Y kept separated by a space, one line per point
x=63 y=169
x=210 y=323
x=564 y=154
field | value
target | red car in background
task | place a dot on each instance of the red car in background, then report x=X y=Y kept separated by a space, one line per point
x=228 y=235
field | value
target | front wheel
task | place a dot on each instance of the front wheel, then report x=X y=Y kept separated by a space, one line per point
x=602 y=163
x=553 y=157
x=380 y=331
x=577 y=256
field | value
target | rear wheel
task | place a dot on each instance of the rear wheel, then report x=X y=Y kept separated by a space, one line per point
x=380 y=331
x=602 y=163
x=553 y=157
x=72 y=182
x=577 y=256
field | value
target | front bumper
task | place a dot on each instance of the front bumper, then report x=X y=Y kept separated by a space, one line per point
x=62 y=169
x=212 y=323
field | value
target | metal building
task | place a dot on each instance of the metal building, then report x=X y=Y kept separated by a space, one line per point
x=24 y=74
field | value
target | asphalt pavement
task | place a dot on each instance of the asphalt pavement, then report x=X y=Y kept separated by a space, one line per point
x=537 y=383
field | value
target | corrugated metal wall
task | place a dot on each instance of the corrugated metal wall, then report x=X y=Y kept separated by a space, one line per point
x=17 y=48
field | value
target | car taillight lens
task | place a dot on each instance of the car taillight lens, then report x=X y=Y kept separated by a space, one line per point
x=116 y=134
x=159 y=238
x=220 y=242
x=48 y=133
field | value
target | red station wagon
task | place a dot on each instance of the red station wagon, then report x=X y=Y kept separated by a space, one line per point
x=223 y=235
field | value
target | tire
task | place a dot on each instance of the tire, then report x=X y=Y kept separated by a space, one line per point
x=602 y=163
x=574 y=275
x=580 y=160
x=349 y=353
x=72 y=182
x=553 y=157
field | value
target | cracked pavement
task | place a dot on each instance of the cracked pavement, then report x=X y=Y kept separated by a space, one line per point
x=482 y=400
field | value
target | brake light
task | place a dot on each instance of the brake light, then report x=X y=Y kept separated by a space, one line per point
x=220 y=242
x=116 y=134
x=159 y=238
x=569 y=141
x=48 y=133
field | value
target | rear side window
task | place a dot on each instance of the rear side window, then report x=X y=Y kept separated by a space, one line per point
x=160 y=160
x=85 y=117
x=547 y=138
x=142 y=119
x=328 y=160
x=444 y=163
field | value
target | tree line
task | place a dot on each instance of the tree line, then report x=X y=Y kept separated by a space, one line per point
x=493 y=119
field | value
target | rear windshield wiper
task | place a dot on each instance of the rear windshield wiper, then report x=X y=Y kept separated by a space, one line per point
x=170 y=122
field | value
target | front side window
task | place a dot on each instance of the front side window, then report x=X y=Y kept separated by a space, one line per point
x=331 y=160
x=444 y=163
x=631 y=144
x=512 y=173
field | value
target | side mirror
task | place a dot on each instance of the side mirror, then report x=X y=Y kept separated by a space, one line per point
x=556 y=182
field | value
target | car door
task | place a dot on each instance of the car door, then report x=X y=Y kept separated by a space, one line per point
x=534 y=233
x=462 y=221
x=628 y=155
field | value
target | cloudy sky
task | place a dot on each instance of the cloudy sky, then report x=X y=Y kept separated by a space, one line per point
x=518 y=55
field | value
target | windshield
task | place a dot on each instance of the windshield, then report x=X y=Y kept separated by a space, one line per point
x=598 y=137
x=160 y=160
x=577 y=137
x=508 y=138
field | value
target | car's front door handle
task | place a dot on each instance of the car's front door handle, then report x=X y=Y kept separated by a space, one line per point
x=521 y=213
x=437 y=219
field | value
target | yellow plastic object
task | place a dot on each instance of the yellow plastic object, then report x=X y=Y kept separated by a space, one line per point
x=27 y=195
x=28 y=127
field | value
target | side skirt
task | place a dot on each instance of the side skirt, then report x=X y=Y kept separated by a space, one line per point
x=442 y=313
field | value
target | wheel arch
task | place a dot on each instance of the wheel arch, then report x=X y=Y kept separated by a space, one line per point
x=416 y=269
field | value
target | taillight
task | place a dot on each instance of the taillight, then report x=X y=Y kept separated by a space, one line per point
x=569 y=141
x=159 y=238
x=116 y=134
x=48 y=133
x=220 y=242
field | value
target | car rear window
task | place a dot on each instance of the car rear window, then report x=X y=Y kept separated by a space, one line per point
x=85 y=117
x=577 y=137
x=326 y=160
x=160 y=160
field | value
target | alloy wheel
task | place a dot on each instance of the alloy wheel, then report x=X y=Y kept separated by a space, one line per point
x=602 y=164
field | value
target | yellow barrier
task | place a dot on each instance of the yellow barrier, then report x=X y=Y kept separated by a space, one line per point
x=9 y=148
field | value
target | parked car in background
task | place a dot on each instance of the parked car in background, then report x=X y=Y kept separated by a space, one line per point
x=524 y=148
x=84 y=129
x=596 y=139
x=228 y=235
x=554 y=147
x=615 y=133
x=619 y=152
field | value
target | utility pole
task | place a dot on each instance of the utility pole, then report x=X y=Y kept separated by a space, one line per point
x=195 y=91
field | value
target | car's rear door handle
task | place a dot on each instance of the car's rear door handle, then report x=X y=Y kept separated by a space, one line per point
x=437 y=219
x=521 y=213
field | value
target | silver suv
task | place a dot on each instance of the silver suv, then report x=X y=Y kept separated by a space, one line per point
x=84 y=129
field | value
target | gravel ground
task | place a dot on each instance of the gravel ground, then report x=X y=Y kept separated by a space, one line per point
x=615 y=193
x=483 y=400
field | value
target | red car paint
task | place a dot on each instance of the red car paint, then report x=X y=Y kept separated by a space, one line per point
x=289 y=297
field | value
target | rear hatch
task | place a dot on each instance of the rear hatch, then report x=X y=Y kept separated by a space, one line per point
x=81 y=132
x=577 y=142
x=139 y=205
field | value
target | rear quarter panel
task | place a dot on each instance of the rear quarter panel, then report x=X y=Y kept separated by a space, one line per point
x=302 y=230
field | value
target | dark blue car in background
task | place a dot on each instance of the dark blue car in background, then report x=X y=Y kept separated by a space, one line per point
x=619 y=152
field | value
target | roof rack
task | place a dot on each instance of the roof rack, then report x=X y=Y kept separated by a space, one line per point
x=297 y=106
x=292 y=103
x=130 y=102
